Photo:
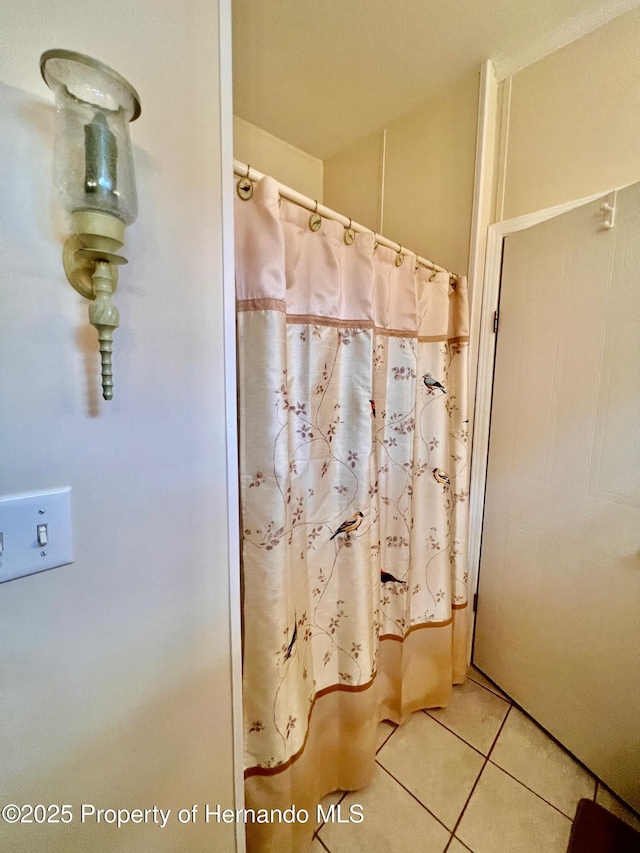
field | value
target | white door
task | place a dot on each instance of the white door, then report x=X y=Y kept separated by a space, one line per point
x=558 y=621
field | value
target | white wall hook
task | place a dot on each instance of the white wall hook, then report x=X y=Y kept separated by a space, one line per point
x=609 y=210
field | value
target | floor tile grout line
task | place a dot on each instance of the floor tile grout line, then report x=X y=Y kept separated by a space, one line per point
x=493 y=690
x=515 y=778
x=524 y=785
x=475 y=784
x=495 y=740
x=385 y=741
x=450 y=842
x=466 y=742
x=344 y=794
x=413 y=796
x=464 y=808
x=322 y=843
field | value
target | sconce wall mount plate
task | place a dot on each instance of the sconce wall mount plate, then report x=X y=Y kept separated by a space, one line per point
x=95 y=179
x=97 y=236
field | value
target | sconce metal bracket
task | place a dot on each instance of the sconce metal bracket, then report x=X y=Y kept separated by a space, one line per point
x=80 y=268
x=97 y=236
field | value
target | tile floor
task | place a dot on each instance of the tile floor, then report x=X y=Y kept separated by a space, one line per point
x=477 y=776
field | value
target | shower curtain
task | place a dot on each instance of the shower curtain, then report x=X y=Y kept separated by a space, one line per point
x=354 y=489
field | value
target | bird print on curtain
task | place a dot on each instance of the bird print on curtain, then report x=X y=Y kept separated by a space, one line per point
x=350 y=524
x=431 y=384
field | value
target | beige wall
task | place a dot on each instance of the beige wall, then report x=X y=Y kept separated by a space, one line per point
x=116 y=669
x=429 y=176
x=353 y=181
x=574 y=123
x=572 y=131
x=275 y=157
x=428 y=186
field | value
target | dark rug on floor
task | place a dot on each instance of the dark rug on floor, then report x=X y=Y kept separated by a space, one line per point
x=595 y=830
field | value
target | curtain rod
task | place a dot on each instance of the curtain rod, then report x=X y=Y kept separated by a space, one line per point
x=245 y=171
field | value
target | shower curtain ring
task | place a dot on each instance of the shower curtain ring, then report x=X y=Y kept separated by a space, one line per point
x=349 y=234
x=399 y=257
x=315 y=220
x=245 y=186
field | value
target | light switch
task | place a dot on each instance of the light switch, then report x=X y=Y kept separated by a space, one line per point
x=35 y=533
x=42 y=534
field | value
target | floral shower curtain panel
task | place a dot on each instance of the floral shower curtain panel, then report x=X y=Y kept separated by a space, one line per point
x=354 y=487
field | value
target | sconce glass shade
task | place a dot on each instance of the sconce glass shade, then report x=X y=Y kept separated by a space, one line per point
x=93 y=160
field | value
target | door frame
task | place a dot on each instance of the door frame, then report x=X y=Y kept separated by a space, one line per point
x=490 y=297
x=225 y=72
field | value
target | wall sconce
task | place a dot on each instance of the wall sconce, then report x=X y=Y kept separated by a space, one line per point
x=95 y=179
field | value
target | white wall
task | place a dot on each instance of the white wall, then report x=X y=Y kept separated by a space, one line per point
x=272 y=156
x=428 y=177
x=116 y=685
x=574 y=121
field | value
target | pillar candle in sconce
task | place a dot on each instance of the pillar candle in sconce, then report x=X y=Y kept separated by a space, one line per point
x=95 y=180
x=101 y=161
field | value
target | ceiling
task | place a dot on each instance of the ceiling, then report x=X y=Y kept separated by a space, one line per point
x=322 y=74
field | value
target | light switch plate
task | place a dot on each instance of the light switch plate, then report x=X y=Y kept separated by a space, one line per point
x=20 y=516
